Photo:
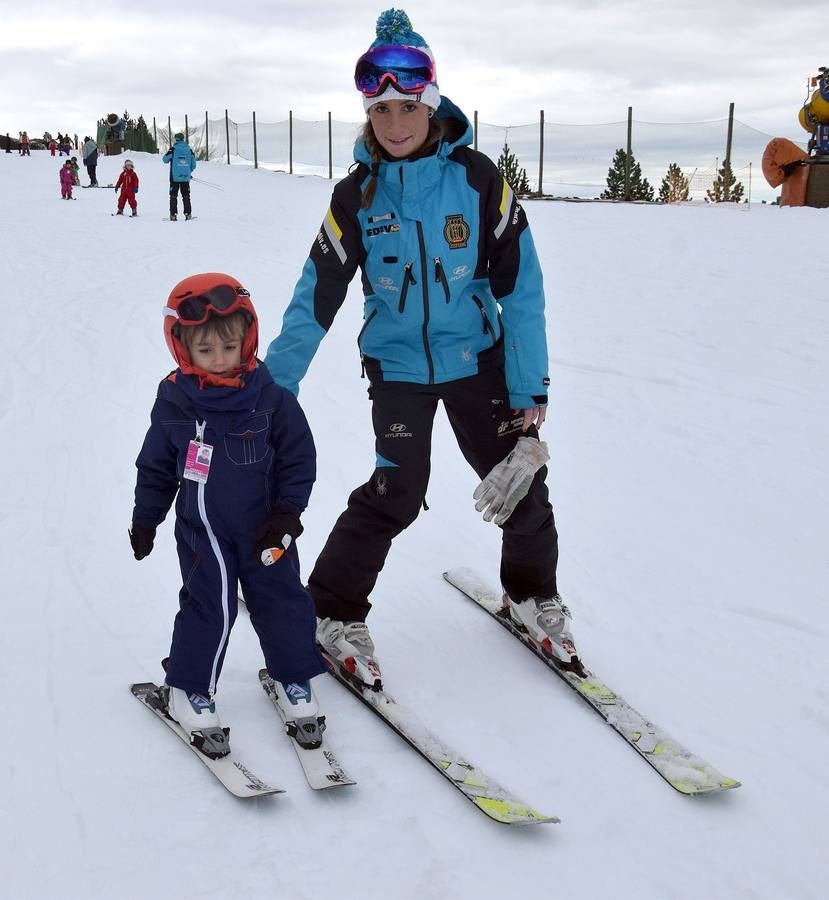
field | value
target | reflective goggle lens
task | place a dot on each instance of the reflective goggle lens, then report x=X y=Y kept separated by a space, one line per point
x=410 y=70
x=222 y=299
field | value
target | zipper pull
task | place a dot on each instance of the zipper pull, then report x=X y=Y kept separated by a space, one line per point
x=440 y=278
x=409 y=273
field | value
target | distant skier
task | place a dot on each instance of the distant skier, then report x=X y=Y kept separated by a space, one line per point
x=238 y=452
x=182 y=161
x=90 y=160
x=128 y=183
x=67 y=179
x=24 y=144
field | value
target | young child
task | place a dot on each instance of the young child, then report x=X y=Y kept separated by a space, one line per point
x=237 y=450
x=76 y=180
x=128 y=183
x=66 y=180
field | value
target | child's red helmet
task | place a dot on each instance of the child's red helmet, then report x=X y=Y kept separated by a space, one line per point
x=192 y=301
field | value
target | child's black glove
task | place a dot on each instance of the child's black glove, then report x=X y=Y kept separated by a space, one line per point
x=141 y=540
x=276 y=534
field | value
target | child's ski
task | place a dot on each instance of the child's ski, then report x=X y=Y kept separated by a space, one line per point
x=320 y=765
x=239 y=780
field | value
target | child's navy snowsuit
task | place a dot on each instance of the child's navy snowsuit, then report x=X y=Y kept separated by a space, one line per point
x=263 y=459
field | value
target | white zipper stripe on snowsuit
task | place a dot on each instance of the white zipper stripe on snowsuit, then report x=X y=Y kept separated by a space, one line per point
x=214 y=543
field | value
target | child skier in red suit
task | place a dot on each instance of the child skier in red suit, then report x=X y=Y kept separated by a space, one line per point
x=128 y=183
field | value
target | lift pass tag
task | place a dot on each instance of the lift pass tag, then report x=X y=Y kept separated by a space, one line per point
x=197 y=464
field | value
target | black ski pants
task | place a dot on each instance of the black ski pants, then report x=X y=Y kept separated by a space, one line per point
x=486 y=430
x=184 y=187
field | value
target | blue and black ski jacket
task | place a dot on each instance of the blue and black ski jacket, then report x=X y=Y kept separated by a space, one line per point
x=449 y=271
x=182 y=161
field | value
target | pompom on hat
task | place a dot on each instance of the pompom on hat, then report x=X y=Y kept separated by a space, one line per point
x=394 y=28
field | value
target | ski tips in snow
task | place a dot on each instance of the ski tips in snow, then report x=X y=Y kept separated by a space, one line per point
x=683 y=770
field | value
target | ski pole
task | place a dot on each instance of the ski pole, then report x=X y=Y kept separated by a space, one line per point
x=208 y=183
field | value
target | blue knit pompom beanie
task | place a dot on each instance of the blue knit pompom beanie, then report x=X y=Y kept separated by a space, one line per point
x=395 y=27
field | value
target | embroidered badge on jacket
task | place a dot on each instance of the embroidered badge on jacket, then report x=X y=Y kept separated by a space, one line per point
x=456 y=232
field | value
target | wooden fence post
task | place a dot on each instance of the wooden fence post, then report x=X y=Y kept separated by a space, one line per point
x=630 y=151
x=541 y=157
x=227 y=136
x=255 y=153
x=730 y=134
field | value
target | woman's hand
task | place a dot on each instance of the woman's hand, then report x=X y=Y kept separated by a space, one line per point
x=534 y=415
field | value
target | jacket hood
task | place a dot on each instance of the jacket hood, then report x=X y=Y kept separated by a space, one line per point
x=457 y=133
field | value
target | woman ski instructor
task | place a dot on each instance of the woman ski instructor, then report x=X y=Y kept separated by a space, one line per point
x=453 y=313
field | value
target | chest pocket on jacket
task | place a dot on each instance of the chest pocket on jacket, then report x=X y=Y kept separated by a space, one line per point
x=251 y=445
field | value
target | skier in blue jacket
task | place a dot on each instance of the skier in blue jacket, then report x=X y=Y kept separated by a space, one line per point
x=236 y=451
x=453 y=312
x=182 y=162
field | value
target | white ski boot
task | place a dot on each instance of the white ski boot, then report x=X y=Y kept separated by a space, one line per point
x=546 y=621
x=198 y=718
x=300 y=712
x=350 y=645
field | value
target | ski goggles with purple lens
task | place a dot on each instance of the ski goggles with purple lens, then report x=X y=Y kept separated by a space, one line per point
x=408 y=69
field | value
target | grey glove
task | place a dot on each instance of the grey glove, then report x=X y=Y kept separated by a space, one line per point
x=508 y=482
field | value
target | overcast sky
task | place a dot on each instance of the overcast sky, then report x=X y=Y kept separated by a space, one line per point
x=64 y=65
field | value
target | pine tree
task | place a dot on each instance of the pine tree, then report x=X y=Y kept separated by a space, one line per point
x=640 y=188
x=726 y=188
x=516 y=177
x=137 y=136
x=674 y=185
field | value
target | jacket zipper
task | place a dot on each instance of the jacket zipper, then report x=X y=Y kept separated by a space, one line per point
x=487 y=324
x=440 y=277
x=423 y=274
x=359 y=338
x=408 y=278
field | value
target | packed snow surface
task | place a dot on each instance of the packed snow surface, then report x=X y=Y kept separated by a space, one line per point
x=689 y=437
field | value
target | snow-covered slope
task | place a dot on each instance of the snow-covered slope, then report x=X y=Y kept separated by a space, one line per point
x=689 y=443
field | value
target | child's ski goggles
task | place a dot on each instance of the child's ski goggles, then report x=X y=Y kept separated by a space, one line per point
x=222 y=299
x=410 y=70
